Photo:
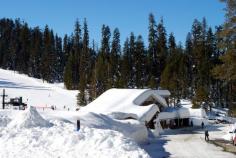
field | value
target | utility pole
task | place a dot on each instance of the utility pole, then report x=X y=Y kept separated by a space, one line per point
x=3 y=98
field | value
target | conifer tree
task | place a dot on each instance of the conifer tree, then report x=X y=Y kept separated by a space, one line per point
x=161 y=50
x=59 y=68
x=36 y=53
x=125 y=65
x=115 y=58
x=46 y=58
x=190 y=66
x=139 y=63
x=227 y=70
x=152 y=52
x=76 y=50
x=84 y=67
x=68 y=73
x=132 y=70
x=102 y=63
x=24 y=54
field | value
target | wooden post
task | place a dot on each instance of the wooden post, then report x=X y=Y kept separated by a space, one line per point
x=78 y=125
x=3 y=99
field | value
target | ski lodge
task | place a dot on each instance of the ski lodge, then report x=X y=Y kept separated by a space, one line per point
x=145 y=105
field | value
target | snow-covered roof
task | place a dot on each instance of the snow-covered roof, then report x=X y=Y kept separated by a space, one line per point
x=172 y=113
x=126 y=101
x=182 y=112
x=163 y=93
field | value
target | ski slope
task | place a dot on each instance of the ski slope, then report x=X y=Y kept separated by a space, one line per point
x=35 y=92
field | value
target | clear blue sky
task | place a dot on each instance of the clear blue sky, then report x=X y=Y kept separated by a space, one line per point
x=127 y=15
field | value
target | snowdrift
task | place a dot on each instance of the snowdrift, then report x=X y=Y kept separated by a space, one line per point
x=29 y=118
x=130 y=128
x=61 y=140
x=231 y=133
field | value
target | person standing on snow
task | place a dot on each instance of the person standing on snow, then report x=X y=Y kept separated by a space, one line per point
x=202 y=125
x=206 y=135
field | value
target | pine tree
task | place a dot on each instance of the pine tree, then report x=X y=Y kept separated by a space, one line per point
x=59 y=66
x=102 y=63
x=190 y=62
x=125 y=65
x=174 y=76
x=161 y=50
x=36 y=53
x=84 y=67
x=197 y=53
x=152 y=52
x=200 y=97
x=68 y=73
x=115 y=58
x=24 y=54
x=132 y=70
x=76 y=51
x=48 y=57
x=227 y=70
x=171 y=44
x=139 y=63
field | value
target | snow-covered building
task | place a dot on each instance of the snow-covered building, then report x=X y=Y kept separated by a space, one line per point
x=146 y=106
x=139 y=104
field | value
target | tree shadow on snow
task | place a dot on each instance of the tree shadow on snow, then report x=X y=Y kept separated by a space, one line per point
x=7 y=84
x=155 y=147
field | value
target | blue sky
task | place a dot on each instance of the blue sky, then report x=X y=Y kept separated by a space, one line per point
x=127 y=15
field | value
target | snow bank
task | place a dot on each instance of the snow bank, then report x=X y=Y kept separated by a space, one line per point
x=130 y=128
x=230 y=133
x=61 y=140
x=29 y=118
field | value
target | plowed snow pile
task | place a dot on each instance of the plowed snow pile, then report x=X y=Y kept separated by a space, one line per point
x=29 y=118
x=29 y=135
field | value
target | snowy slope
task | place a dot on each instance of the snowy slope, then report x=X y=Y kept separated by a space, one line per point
x=35 y=92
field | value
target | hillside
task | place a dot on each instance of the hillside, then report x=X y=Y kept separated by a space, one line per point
x=35 y=92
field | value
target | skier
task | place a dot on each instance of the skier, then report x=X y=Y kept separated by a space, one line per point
x=206 y=135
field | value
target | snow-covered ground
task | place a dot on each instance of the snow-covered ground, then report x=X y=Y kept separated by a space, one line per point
x=26 y=134
x=36 y=133
x=49 y=134
x=35 y=92
x=188 y=143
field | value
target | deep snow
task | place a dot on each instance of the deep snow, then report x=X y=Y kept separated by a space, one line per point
x=47 y=133
x=51 y=133
x=35 y=92
x=33 y=139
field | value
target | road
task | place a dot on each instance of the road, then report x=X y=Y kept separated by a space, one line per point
x=187 y=143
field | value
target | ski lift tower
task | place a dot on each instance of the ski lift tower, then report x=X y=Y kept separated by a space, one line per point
x=3 y=99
